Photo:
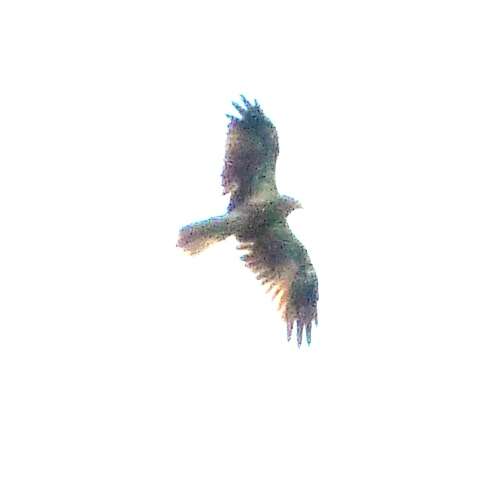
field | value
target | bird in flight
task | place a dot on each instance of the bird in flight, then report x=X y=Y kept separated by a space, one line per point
x=257 y=217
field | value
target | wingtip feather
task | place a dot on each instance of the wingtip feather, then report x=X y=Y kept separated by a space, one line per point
x=238 y=107
x=245 y=102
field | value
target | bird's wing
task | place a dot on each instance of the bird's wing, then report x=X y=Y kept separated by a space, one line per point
x=250 y=156
x=281 y=262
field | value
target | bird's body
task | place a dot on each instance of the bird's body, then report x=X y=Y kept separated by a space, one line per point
x=256 y=216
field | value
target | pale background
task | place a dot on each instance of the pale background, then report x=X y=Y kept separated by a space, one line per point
x=123 y=360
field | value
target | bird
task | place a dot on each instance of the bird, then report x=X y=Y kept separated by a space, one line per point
x=257 y=217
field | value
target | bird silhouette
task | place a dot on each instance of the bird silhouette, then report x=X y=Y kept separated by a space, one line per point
x=257 y=217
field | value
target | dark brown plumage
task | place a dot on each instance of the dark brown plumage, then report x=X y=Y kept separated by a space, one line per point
x=256 y=216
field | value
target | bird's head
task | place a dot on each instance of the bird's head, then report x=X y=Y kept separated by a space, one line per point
x=287 y=204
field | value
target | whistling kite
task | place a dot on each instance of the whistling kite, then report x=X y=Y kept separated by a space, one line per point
x=256 y=216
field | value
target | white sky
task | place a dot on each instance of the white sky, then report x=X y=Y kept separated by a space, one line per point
x=123 y=360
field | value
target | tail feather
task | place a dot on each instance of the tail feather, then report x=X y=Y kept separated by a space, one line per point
x=194 y=238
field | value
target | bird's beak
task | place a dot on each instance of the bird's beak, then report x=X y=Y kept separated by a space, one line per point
x=298 y=205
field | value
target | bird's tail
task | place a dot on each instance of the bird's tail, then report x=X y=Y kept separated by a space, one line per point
x=196 y=237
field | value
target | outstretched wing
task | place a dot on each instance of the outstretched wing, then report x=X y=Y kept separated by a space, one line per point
x=250 y=156
x=282 y=263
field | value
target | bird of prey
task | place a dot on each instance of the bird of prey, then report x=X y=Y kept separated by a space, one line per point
x=257 y=217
